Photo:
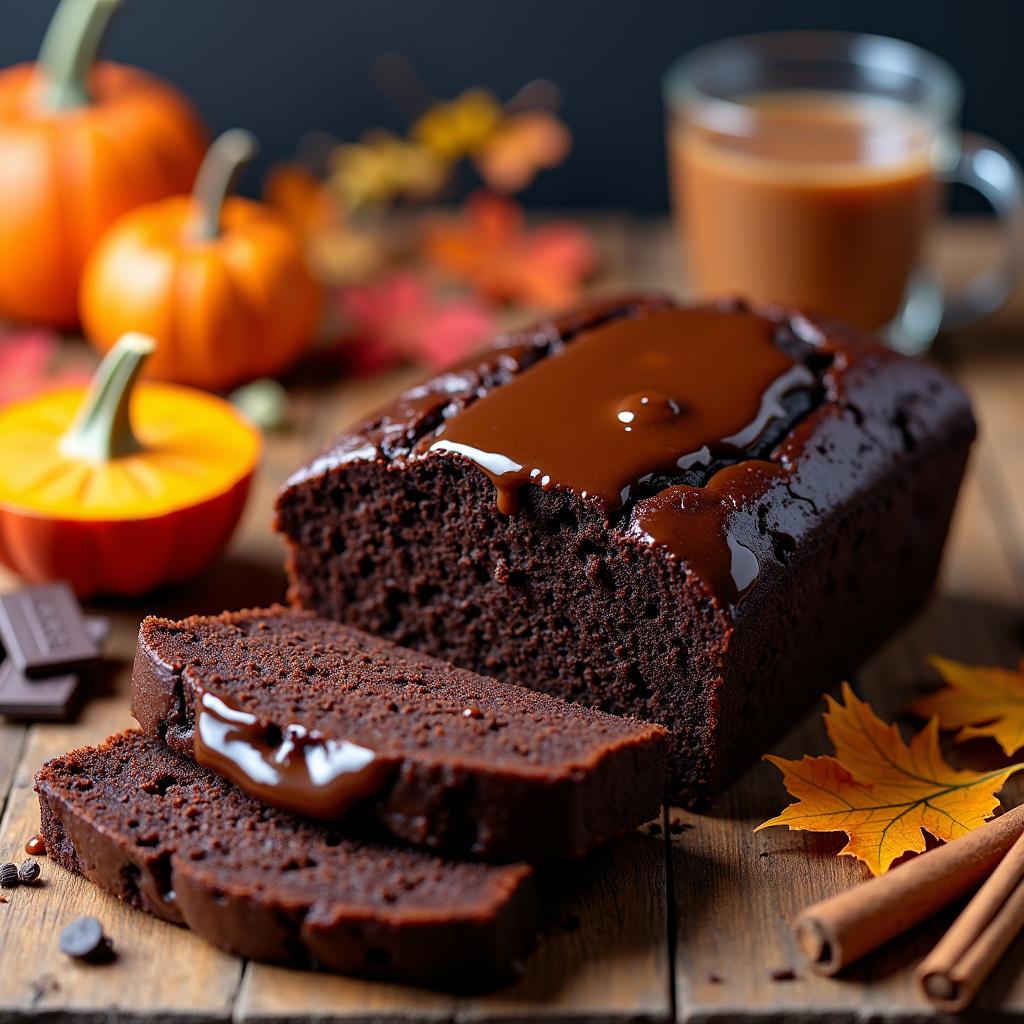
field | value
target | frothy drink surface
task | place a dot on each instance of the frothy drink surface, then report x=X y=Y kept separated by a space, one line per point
x=823 y=204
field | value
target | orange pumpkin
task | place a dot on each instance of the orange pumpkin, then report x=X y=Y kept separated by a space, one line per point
x=81 y=143
x=221 y=283
x=124 y=486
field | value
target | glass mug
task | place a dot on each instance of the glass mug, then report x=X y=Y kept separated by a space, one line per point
x=807 y=169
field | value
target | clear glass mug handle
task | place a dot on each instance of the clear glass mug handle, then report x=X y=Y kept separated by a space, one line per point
x=986 y=167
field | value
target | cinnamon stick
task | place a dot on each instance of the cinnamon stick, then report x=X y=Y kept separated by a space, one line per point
x=952 y=973
x=843 y=928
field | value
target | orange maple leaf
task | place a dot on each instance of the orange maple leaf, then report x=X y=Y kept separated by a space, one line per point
x=520 y=147
x=882 y=791
x=490 y=247
x=978 y=700
x=302 y=199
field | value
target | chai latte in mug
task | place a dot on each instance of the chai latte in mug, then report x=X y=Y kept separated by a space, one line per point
x=822 y=203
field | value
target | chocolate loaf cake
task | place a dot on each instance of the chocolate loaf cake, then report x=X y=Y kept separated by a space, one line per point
x=702 y=517
x=319 y=718
x=178 y=841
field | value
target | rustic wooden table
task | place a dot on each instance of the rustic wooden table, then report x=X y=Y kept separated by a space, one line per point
x=692 y=923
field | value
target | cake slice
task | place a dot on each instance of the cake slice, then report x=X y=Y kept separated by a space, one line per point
x=324 y=720
x=169 y=837
x=703 y=517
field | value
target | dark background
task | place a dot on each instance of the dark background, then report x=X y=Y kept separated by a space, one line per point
x=285 y=67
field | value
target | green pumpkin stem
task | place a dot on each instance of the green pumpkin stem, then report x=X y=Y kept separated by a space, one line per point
x=69 y=50
x=102 y=428
x=224 y=161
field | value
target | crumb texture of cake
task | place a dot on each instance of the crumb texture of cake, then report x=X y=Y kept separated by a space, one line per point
x=702 y=517
x=323 y=720
x=173 y=839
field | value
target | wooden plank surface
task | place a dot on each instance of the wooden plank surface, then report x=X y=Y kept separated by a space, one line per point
x=606 y=952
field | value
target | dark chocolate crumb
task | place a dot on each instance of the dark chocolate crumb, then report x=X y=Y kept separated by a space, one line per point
x=42 y=987
x=783 y=974
x=83 y=939
x=8 y=876
x=715 y=979
x=29 y=872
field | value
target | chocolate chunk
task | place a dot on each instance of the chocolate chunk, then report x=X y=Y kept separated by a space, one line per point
x=43 y=630
x=29 y=872
x=84 y=940
x=50 y=699
x=8 y=876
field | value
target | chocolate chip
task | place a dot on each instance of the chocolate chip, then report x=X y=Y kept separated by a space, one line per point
x=8 y=876
x=84 y=940
x=29 y=872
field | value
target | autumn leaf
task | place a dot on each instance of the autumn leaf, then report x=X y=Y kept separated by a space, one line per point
x=27 y=363
x=978 y=701
x=453 y=129
x=522 y=146
x=882 y=791
x=383 y=168
x=303 y=200
x=398 y=318
x=490 y=247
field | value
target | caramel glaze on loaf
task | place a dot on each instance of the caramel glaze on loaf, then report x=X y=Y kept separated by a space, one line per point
x=168 y=837
x=323 y=720
x=719 y=595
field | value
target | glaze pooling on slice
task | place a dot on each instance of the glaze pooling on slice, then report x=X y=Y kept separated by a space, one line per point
x=292 y=767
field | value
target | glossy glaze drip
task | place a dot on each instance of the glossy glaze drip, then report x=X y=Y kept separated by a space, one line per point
x=290 y=767
x=664 y=392
x=701 y=524
x=36 y=846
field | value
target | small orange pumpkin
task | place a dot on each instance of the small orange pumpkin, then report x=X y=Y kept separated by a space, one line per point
x=81 y=143
x=122 y=487
x=221 y=283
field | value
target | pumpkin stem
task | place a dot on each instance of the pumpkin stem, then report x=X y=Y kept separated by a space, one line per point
x=224 y=160
x=69 y=50
x=102 y=428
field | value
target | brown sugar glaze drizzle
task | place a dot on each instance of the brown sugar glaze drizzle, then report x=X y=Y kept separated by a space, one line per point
x=639 y=399
x=290 y=767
